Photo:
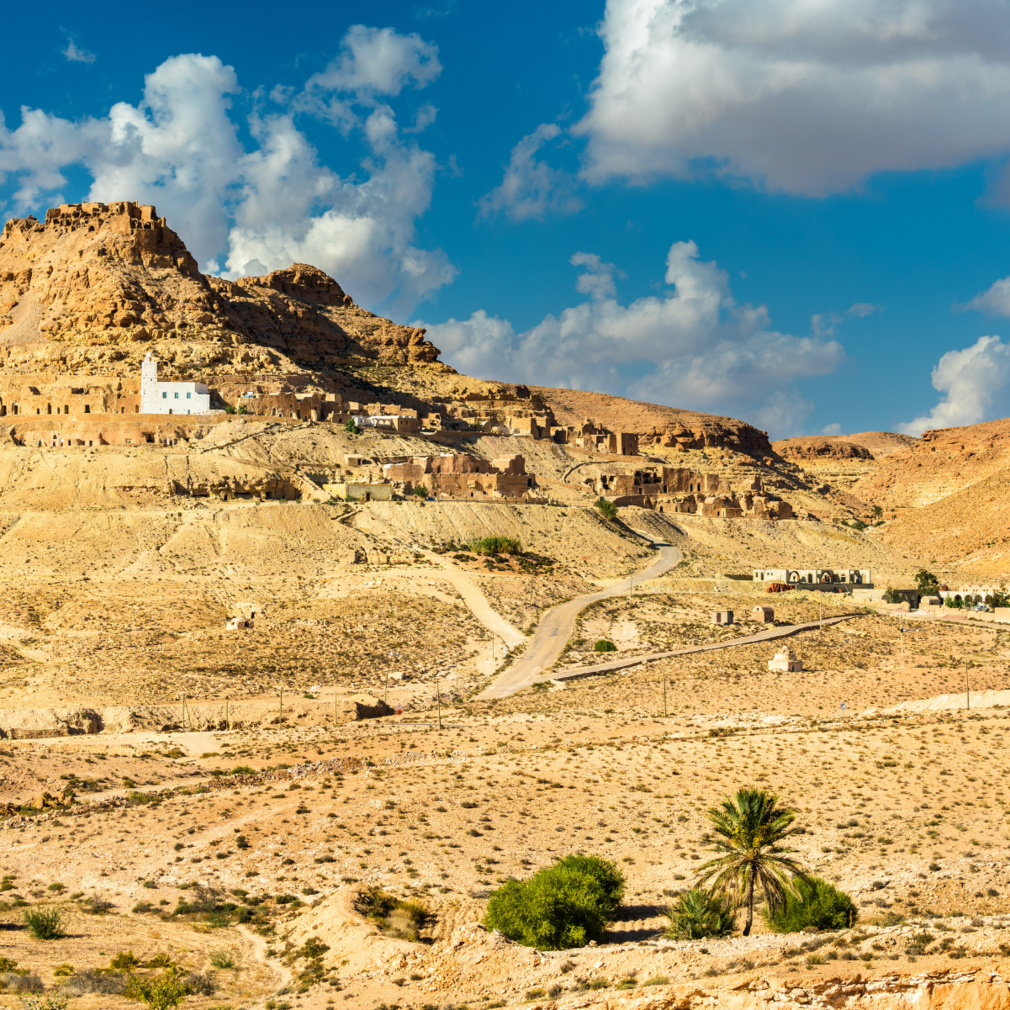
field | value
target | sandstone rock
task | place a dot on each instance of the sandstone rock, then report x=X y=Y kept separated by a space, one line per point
x=108 y=277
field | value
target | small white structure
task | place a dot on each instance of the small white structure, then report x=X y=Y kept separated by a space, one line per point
x=170 y=397
x=763 y=615
x=785 y=661
x=722 y=616
x=239 y=624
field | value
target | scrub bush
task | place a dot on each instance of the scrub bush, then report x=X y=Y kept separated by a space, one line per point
x=816 y=903
x=564 y=905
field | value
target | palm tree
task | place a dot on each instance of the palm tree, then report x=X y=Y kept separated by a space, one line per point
x=749 y=829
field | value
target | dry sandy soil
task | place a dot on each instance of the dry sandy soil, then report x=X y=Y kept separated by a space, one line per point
x=251 y=847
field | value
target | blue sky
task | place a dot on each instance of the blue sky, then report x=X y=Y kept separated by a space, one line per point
x=792 y=212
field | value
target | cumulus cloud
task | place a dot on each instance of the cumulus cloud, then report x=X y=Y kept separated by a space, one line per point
x=262 y=205
x=531 y=188
x=798 y=97
x=693 y=346
x=832 y=429
x=994 y=301
x=972 y=382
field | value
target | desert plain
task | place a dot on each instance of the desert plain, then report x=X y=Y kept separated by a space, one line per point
x=277 y=723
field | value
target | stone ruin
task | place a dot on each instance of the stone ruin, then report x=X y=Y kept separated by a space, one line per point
x=461 y=477
x=686 y=491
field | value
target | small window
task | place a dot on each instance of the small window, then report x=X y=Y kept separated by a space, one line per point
x=164 y=396
x=189 y=396
x=177 y=396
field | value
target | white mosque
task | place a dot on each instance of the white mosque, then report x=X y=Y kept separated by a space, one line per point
x=170 y=397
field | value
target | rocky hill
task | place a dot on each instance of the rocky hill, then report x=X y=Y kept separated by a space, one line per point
x=95 y=286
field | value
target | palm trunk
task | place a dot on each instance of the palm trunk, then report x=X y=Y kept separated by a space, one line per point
x=750 y=906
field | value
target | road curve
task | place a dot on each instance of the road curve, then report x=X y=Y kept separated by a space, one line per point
x=555 y=628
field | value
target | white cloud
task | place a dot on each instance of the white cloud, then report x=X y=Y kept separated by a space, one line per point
x=378 y=61
x=994 y=301
x=75 y=54
x=825 y=324
x=531 y=188
x=863 y=309
x=798 y=96
x=692 y=347
x=971 y=381
x=832 y=429
x=266 y=204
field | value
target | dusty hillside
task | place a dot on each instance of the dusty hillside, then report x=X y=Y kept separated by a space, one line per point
x=966 y=530
x=939 y=464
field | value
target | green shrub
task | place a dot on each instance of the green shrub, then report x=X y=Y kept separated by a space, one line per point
x=698 y=914
x=816 y=903
x=495 y=545
x=605 y=873
x=564 y=905
x=351 y=428
x=161 y=993
x=607 y=509
x=56 y=1002
x=604 y=645
x=892 y=595
x=124 y=961
x=44 y=923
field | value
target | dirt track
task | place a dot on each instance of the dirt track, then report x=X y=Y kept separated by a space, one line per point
x=555 y=628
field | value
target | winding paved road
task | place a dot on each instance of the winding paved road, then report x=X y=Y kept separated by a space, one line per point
x=555 y=628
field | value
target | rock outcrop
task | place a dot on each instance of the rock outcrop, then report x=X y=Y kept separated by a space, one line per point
x=94 y=286
x=820 y=448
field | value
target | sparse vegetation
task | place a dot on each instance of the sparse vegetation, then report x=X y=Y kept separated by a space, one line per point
x=403 y=918
x=494 y=545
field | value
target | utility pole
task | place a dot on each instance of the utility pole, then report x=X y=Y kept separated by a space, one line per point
x=281 y=713
x=183 y=713
x=967 y=691
x=664 y=692
x=227 y=712
x=438 y=695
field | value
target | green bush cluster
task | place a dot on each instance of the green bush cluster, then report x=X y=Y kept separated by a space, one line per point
x=495 y=545
x=813 y=902
x=564 y=905
x=604 y=645
x=698 y=914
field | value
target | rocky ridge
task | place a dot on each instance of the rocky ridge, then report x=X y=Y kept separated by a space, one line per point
x=94 y=287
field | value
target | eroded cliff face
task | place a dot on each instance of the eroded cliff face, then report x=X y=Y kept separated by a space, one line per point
x=95 y=286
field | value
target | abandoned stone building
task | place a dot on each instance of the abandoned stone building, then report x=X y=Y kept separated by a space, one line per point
x=587 y=436
x=816 y=577
x=463 y=477
x=686 y=491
